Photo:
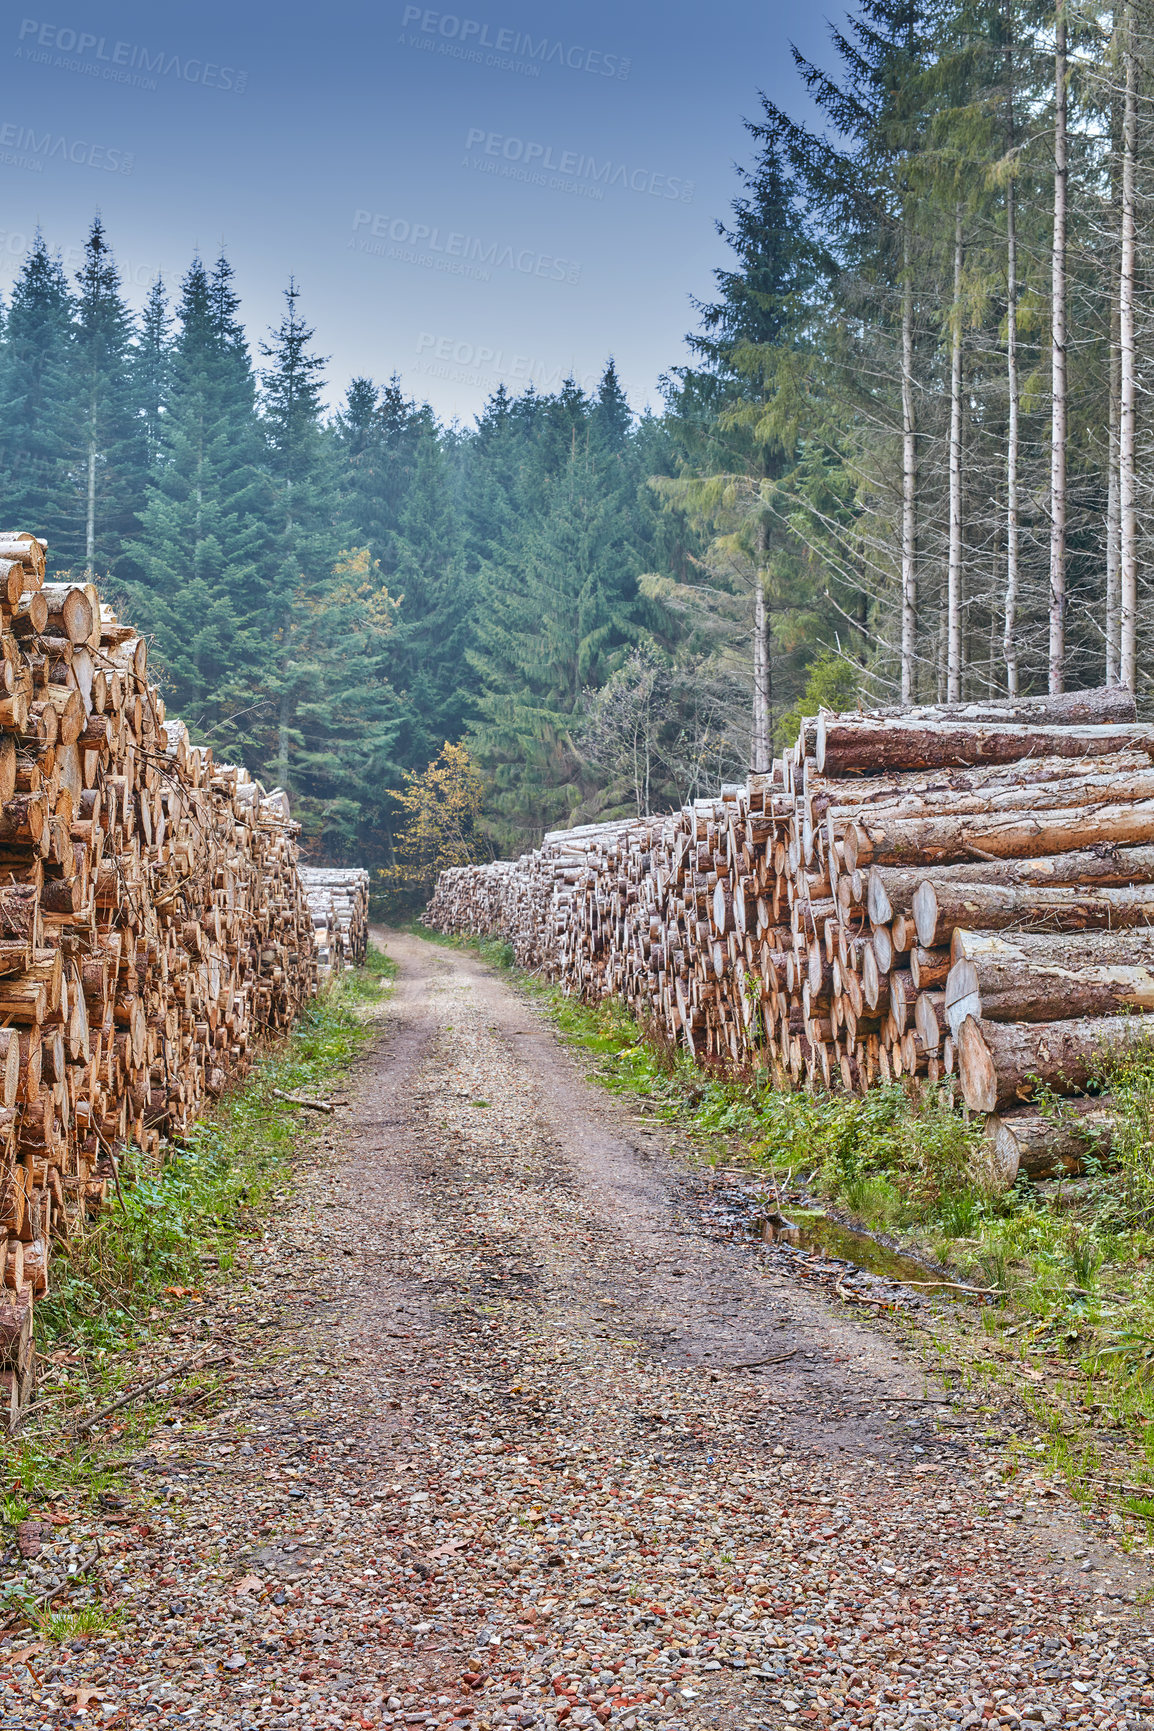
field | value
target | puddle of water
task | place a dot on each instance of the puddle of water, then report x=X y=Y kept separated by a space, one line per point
x=830 y=1238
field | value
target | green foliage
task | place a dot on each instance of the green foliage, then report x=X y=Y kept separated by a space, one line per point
x=832 y=682
x=441 y=830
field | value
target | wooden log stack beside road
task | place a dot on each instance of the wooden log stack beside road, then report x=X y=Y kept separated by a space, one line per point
x=338 y=901
x=153 y=926
x=957 y=891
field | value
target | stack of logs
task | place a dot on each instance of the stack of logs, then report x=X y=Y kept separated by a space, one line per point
x=152 y=923
x=959 y=891
x=338 y=901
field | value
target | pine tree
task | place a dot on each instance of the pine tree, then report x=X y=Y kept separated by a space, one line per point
x=302 y=504
x=36 y=399
x=106 y=460
x=151 y=371
x=204 y=548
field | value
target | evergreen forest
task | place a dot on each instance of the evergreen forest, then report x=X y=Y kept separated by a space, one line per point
x=907 y=459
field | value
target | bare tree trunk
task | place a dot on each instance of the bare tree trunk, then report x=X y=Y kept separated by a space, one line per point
x=1057 y=657
x=1113 y=525
x=954 y=559
x=1010 y=638
x=90 y=512
x=1127 y=502
x=760 y=760
x=909 y=486
x=282 y=741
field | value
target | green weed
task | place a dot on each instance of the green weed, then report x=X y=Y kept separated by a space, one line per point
x=77 y=1625
x=13 y=1510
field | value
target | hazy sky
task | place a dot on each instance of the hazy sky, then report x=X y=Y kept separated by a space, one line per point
x=508 y=191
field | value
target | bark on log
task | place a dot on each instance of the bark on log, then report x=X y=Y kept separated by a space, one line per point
x=929 y=968
x=1004 y=1063
x=1024 y=834
x=1102 y=703
x=940 y=909
x=1047 y=1145
x=891 y=888
x=1047 y=977
x=869 y=746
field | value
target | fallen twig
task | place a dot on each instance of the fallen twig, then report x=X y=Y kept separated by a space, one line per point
x=303 y=1100
x=861 y=1297
x=141 y=1388
x=756 y=1363
x=956 y=1286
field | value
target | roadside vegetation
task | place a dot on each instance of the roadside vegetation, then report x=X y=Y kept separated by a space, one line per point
x=126 y=1296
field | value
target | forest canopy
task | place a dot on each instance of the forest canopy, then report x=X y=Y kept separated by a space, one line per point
x=906 y=459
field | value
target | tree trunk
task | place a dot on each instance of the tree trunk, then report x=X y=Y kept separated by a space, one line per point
x=760 y=749
x=909 y=484
x=939 y=909
x=90 y=512
x=282 y=754
x=844 y=747
x=1052 y=1144
x=1057 y=648
x=891 y=889
x=944 y=840
x=1113 y=526
x=1010 y=632
x=1004 y=1063
x=954 y=556
x=1127 y=480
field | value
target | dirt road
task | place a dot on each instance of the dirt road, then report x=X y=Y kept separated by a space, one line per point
x=522 y=1438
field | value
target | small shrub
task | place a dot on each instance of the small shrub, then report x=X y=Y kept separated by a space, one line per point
x=1085 y=1257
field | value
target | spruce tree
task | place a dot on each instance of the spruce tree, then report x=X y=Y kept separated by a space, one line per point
x=37 y=401
x=204 y=547
x=106 y=459
x=301 y=505
x=151 y=371
x=553 y=616
x=735 y=419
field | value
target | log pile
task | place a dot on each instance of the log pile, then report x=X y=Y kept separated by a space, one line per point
x=153 y=928
x=338 y=902
x=957 y=891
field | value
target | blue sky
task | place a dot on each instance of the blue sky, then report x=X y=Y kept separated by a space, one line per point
x=507 y=191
